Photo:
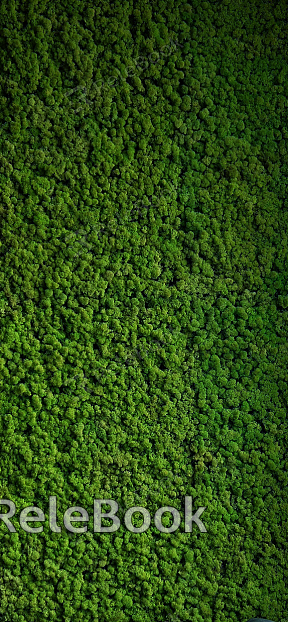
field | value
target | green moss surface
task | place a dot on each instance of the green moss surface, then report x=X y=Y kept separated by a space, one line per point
x=144 y=305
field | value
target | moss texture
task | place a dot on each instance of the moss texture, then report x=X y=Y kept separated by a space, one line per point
x=144 y=304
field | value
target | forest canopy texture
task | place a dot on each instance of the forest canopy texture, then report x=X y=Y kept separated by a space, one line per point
x=144 y=305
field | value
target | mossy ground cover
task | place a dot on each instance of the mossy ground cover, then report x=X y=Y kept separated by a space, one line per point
x=144 y=304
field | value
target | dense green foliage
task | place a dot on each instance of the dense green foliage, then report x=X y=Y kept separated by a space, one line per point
x=144 y=304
